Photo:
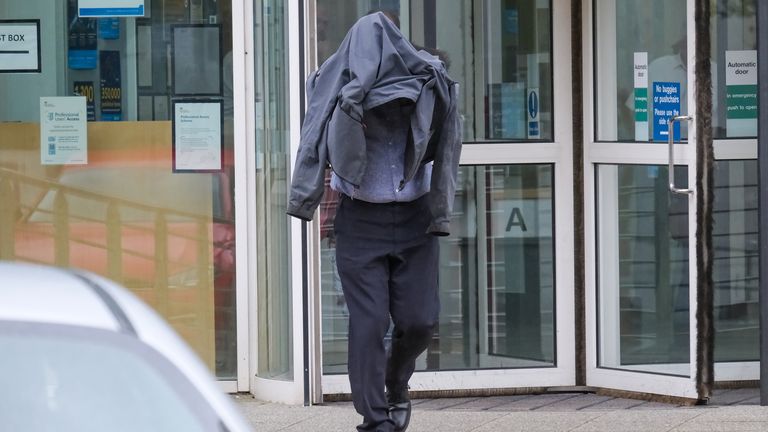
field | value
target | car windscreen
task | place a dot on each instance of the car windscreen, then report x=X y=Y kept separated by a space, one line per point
x=69 y=378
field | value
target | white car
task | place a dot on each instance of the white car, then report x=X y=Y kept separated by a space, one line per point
x=80 y=353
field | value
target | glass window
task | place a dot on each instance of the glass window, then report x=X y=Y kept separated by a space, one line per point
x=496 y=276
x=736 y=267
x=640 y=55
x=516 y=51
x=641 y=68
x=643 y=307
x=103 y=195
x=734 y=47
x=275 y=334
x=500 y=52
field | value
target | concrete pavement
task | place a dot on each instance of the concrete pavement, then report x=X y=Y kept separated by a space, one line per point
x=729 y=410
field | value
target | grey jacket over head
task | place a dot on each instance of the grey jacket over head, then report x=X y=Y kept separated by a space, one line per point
x=374 y=65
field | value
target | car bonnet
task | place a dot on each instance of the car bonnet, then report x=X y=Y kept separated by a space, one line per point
x=36 y=293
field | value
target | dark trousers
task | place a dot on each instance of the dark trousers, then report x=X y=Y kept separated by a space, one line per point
x=388 y=267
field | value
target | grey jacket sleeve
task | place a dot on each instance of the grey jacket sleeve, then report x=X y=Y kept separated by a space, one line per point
x=309 y=173
x=308 y=184
x=445 y=169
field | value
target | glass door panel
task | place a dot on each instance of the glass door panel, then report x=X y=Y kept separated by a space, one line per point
x=735 y=271
x=497 y=274
x=497 y=287
x=643 y=286
x=643 y=300
x=521 y=264
x=641 y=62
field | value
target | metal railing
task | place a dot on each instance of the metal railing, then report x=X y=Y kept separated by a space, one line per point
x=23 y=219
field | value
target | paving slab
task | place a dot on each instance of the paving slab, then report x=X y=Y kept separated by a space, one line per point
x=572 y=412
x=655 y=406
x=639 y=421
x=485 y=403
x=440 y=403
x=730 y=397
x=576 y=403
x=533 y=403
x=614 y=404
x=721 y=427
x=754 y=413
x=535 y=421
x=451 y=421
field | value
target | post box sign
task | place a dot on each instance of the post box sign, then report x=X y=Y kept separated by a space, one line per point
x=19 y=46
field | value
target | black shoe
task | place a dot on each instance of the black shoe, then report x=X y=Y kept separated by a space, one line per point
x=400 y=413
x=399 y=409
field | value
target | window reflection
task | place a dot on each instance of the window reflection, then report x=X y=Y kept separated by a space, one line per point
x=735 y=271
x=496 y=275
x=642 y=70
x=498 y=50
x=125 y=214
x=517 y=74
x=734 y=42
x=643 y=283
x=273 y=270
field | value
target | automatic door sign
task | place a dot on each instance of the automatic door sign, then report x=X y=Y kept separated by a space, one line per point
x=641 y=96
x=741 y=93
x=19 y=46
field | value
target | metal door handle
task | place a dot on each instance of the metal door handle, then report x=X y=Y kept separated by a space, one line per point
x=671 y=141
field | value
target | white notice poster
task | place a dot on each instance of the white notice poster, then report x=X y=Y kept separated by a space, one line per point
x=741 y=93
x=641 y=96
x=110 y=8
x=63 y=130
x=197 y=143
x=19 y=46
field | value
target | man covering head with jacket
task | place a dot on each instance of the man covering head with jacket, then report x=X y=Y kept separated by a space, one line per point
x=384 y=116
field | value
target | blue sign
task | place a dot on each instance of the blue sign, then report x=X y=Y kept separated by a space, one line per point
x=511 y=21
x=533 y=113
x=82 y=59
x=666 y=104
x=110 y=8
x=533 y=105
x=111 y=86
x=109 y=28
x=82 y=45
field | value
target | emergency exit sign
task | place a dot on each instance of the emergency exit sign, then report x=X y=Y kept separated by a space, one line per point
x=19 y=46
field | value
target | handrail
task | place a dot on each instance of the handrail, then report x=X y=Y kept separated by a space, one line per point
x=95 y=195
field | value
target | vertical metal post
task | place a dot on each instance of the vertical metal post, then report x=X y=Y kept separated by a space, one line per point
x=114 y=242
x=305 y=297
x=430 y=23
x=762 y=159
x=579 y=276
x=61 y=229
x=8 y=214
x=705 y=159
x=161 y=265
